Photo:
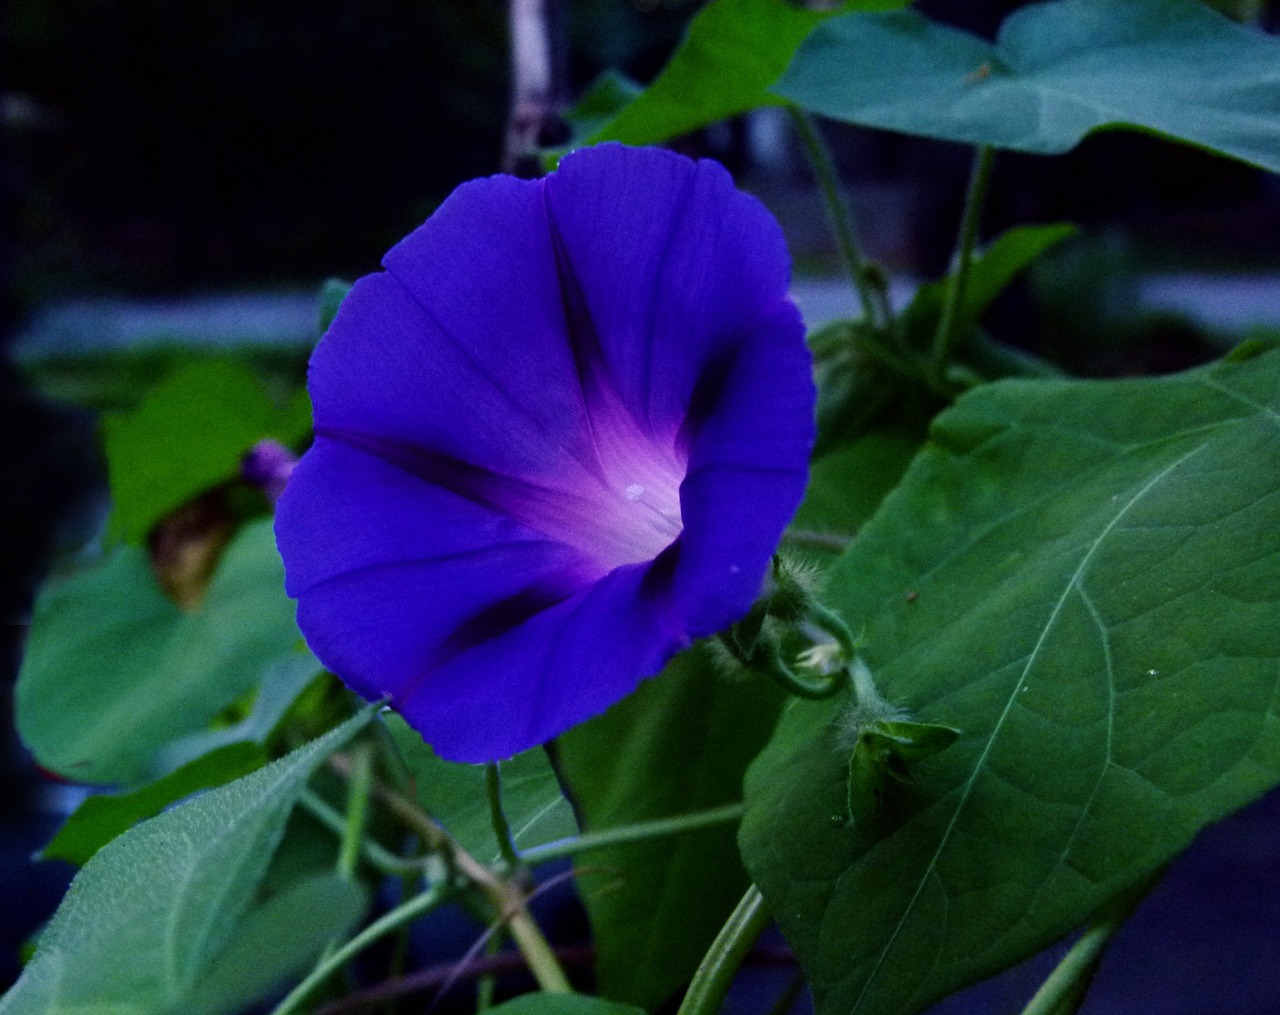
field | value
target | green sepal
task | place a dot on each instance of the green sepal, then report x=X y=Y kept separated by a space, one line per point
x=886 y=749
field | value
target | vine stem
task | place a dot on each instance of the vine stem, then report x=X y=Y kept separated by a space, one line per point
x=402 y=914
x=838 y=214
x=711 y=981
x=637 y=832
x=377 y=856
x=1071 y=975
x=1065 y=988
x=357 y=810
x=818 y=540
x=501 y=827
x=506 y=898
x=945 y=338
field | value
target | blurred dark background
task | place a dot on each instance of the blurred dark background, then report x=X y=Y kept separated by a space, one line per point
x=159 y=150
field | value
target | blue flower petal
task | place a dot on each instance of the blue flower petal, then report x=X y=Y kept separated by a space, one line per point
x=672 y=262
x=563 y=665
x=558 y=438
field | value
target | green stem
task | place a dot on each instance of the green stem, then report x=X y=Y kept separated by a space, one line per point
x=711 y=981
x=357 y=810
x=400 y=947
x=506 y=898
x=485 y=984
x=402 y=914
x=638 y=832
x=865 y=691
x=378 y=857
x=501 y=827
x=1064 y=990
x=838 y=213
x=833 y=624
x=948 y=334
x=1068 y=978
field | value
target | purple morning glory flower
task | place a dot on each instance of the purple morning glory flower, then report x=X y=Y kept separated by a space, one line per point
x=557 y=439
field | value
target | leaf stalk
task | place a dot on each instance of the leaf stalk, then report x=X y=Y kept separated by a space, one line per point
x=838 y=213
x=638 y=832
x=711 y=981
x=947 y=335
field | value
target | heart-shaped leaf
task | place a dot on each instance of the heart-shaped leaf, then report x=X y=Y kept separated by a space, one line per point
x=114 y=671
x=733 y=51
x=164 y=919
x=1057 y=72
x=1082 y=577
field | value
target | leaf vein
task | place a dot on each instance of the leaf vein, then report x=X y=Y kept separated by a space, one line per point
x=967 y=791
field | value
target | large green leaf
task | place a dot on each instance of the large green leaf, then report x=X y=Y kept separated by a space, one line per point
x=733 y=51
x=190 y=433
x=101 y=818
x=114 y=671
x=1057 y=72
x=455 y=795
x=165 y=919
x=679 y=744
x=1084 y=579
x=280 y=686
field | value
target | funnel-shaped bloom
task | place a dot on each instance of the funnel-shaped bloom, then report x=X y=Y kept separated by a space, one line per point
x=557 y=439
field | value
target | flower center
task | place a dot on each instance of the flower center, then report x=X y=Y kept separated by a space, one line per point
x=648 y=518
x=630 y=512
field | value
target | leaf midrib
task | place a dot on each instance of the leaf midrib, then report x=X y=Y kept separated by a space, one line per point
x=1072 y=583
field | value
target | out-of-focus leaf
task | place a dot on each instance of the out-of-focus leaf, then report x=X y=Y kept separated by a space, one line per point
x=165 y=918
x=281 y=684
x=454 y=794
x=332 y=293
x=600 y=103
x=189 y=434
x=1083 y=578
x=679 y=744
x=101 y=818
x=732 y=52
x=114 y=671
x=1057 y=72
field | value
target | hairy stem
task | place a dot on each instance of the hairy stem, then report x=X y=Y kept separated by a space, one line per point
x=376 y=856
x=445 y=975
